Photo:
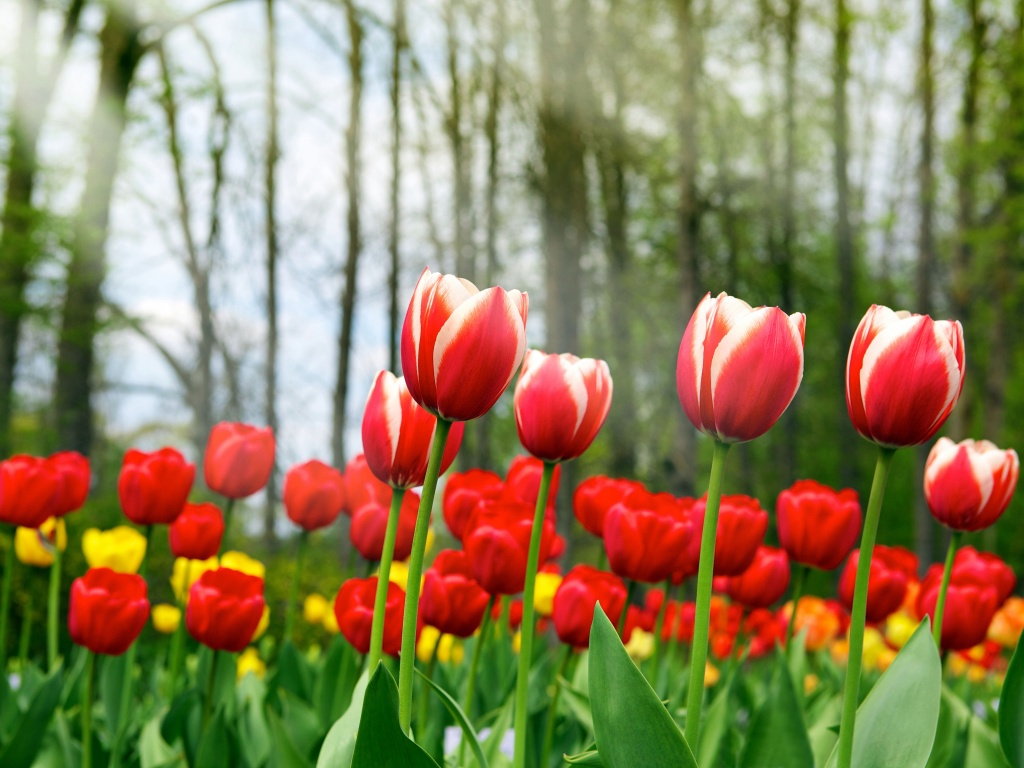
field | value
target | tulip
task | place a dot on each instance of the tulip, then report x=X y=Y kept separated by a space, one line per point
x=595 y=496
x=580 y=591
x=968 y=611
x=120 y=549
x=353 y=609
x=362 y=486
x=968 y=485
x=985 y=568
x=239 y=459
x=35 y=546
x=462 y=492
x=818 y=526
x=764 y=582
x=107 y=610
x=523 y=480
x=225 y=607
x=643 y=538
x=1008 y=624
x=30 y=491
x=197 y=533
x=498 y=542
x=369 y=525
x=239 y=561
x=452 y=600
x=166 y=618
x=560 y=404
x=434 y=645
x=153 y=487
x=741 y=528
x=250 y=663
x=314 y=608
x=73 y=470
x=886 y=587
x=547 y=584
x=314 y=495
x=186 y=572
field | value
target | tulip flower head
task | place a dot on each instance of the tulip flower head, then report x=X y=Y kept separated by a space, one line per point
x=370 y=522
x=225 y=607
x=314 y=495
x=239 y=459
x=742 y=524
x=107 y=610
x=818 y=526
x=595 y=496
x=739 y=367
x=462 y=492
x=362 y=486
x=560 y=404
x=497 y=541
x=36 y=546
x=968 y=485
x=353 y=610
x=576 y=598
x=904 y=374
x=153 y=487
x=970 y=608
x=73 y=470
x=764 y=582
x=197 y=533
x=461 y=346
x=120 y=549
x=452 y=600
x=887 y=582
x=522 y=482
x=166 y=618
x=30 y=491
x=644 y=535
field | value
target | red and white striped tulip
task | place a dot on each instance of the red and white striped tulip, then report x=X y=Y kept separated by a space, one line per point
x=397 y=434
x=739 y=367
x=561 y=403
x=903 y=376
x=461 y=346
x=969 y=484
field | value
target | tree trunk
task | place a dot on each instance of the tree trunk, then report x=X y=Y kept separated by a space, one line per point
x=396 y=169
x=353 y=134
x=120 y=51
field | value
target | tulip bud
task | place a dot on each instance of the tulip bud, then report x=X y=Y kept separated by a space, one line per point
x=764 y=582
x=197 y=533
x=314 y=495
x=30 y=491
x=452 y=600
x=73 y=470
x=153 y=487
x=576 y=598
x=239 y=459
x=353 y=610
x=370 y=522
x=224 y=609
x=107 y=610
x=498 y=541
x=968 y=485
x=817 y=525
x=644 y=535
x=462 y=492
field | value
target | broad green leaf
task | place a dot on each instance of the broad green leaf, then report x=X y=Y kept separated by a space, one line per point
x=460 y=717
x=381 y=743
x=283 y=751
x=1011 y=710
x=292 y=673
x=579 y=705
x=112 y=687
x=778 y=736
x=896 y=723
x=153 y=750
x=501 y=724
x=631 y=726
x=332 y=689
x=717 y=720
x=182 y=721
x=301 y=722
x=214 y=744
x=27 y=736
x=591 y=758
x=983 y=750
x=340 y=743
x=824 y=733
x=950 y=747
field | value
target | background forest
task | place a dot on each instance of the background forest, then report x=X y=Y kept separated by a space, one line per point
x=218 y=212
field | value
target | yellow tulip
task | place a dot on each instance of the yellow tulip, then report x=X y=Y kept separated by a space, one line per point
x=250 y=661
x=810 y=683
x=544 y=593
x=331 y=622
x=711 y=675
x=35 y=546
x=899 y=627
x=192 y=569
x=427 y=642
x=641 y=645
x=121 y=549
x=315 y=608
x=166 y=618
x=430 y=541
x=450 y=650
x=239 y=561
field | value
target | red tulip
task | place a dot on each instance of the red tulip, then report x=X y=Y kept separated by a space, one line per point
x=452 y=600
x=461 y=346
x=887 y=582
x=462 y=492
x=981 y=568
x=560 y=404
x=903 y=376
x=764 y=582
x=107 y=610
x=968 y=611
x=197 y=532
x=73 y=470
x=362 y=486
x=522 y=481
x=314 y=494
x=817 y=525
x=968 y=485
x=30 y=490
x=370 y=522
x=353 y=609
x=239 y=459
x=578 y=594
x=739 y=368
x=741 y=528
x=497 y=540
x=595 y=496
x=224 y=608
x=643 y=536
x=153 y=487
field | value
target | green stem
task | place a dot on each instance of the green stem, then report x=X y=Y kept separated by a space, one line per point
x=851 y=689
x=383 y=576
x=5 y=599
x=526 y=630
x=421 y=716
x=25 y=642
x=293 y=597
x=229 y=509
x=90 y=684
x=505 y=621
x=53 y=609
x=630 y=592
x=144 y=565
x=799 y=582
x=702 y=616
x=659 y=625
x=407 y=660
x=549 y=726
x=474 y=664
x=178 y=642
x=211 y=680
x=940 y=603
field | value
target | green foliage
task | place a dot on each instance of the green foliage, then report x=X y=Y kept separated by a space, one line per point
x=1011 y=710
x=778 y=735
x=380 y=742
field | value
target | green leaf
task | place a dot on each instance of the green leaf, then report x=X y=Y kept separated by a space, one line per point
x=591 y=757
x=950 y=747
x=153 y=750
x=579 y=704
x=111 y=688
x=182 y=721
x=1011 y=710
x=332 y=688
x=778 y=736
x=825 y=731
x=340 y=743
x=715 y=726
x=631 y=726
x=215 y=745
x=292 y=673
x=460 y=718
x=381 y=743
x=283 y=752
x=28 y=733
x=983 y=750
x=896 y=723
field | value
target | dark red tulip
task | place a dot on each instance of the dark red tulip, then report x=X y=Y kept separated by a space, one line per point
x=73 y=470
x=314 y=494
x=887 y=583
x=764 y=582
x=575 y=600
x=362 y=486
x=370 y=522
x=818 y=526
x=154 y=487
x=197 y=532
x=741 y=528
x=498 y=541
x=462 y=492
x=522 y=481
x=968 y=485
x=353 y=609
x=595 y=496
x=452 y=601
x=224 y=608
x=30 y=490
x=968 y=612
x=239 y=459
x=643 y=536
x=982 y=569
x=107 y=610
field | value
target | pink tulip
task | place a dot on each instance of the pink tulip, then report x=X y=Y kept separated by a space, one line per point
x=968 y=485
